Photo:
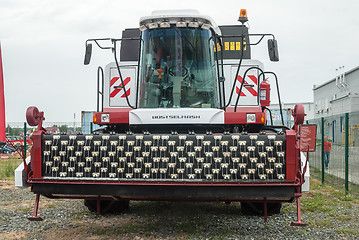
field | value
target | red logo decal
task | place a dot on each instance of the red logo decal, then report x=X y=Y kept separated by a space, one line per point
x=251 y=90
x=117 y=90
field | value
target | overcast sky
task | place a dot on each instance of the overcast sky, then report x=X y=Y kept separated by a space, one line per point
x=43 y=44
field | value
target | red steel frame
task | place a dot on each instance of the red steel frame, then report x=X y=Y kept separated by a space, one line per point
x=293 y=173
x=36 y=153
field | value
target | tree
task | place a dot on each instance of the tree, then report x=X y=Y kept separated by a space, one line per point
x=63 y=128
x=9 y=130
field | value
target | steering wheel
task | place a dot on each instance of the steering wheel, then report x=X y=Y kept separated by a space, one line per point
x=184 y=71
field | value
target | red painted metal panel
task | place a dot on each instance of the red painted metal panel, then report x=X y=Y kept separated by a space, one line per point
x=167 y=183
x=2 y=104
x=117 y=115
x=117 y=110
x=292 y=154
x=240 y=117
x=36 y=154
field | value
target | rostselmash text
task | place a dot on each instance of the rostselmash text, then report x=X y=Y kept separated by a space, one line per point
x=176 y=117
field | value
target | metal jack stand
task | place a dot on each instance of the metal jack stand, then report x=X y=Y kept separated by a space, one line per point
x=98 y=205
x=36 y=207
x=265 y=210
x=299 y=217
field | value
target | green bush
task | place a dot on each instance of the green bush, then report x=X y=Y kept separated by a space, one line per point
x=7 y=168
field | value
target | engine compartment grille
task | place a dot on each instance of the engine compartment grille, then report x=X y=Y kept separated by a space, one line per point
x=165 y=157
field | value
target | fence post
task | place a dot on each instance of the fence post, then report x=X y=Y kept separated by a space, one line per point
x=25 y=147
x=91 y=127
x=347 y=151
x=322 y=129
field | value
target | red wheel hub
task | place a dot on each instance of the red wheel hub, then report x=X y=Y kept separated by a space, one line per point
x=298 y=114
x=33 y=116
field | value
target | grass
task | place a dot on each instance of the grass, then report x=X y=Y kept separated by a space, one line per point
x=328 y=199
x=347 y=231
x=7 y=167
x=319 y=202
x=324 y=223
x=337 y=183
x=320 y=197
x=126 y=228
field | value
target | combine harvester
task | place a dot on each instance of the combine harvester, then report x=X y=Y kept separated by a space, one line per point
x=184 y=116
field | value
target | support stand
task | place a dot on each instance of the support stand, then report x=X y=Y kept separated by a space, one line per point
x=299 y=217
x=265 y=210
x=98 y=205
x=36 y=207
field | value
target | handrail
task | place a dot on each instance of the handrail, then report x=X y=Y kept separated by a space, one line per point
x=278 y=93
x=100 y=73
x=240 y=89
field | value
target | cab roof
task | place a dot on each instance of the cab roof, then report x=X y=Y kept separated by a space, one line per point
x=174 y=16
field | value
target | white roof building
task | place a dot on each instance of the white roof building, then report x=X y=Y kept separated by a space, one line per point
x=338 y=96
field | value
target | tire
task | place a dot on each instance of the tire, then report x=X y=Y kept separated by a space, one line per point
x=107 y=206
x=257 y=208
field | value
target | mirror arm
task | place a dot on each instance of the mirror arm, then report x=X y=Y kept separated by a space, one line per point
x=120 y=75
x=113 y=48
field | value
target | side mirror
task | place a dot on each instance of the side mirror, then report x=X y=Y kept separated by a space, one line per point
x=88 y=54
x=273 y=50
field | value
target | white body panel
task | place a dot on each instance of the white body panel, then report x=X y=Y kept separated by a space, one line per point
x=249 y=94
x=177 y=116
x=306 y=184
x=20 y=174
x=129 y=71
x=116 y=97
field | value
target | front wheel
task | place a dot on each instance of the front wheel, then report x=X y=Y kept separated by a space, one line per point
x=107 y=206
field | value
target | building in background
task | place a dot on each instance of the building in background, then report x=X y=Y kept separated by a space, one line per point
x=287 y=113
x=87 y=125
x=53 y=130
x=338 y=96
x=333 y=99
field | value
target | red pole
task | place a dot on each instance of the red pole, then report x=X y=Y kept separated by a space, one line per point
x=2 y=103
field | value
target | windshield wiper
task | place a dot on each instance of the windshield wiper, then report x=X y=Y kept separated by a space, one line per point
x=183 y=36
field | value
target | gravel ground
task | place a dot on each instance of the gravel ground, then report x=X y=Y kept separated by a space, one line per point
x=330 y=214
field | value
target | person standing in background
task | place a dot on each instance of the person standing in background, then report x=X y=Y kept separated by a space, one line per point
x=327 y=148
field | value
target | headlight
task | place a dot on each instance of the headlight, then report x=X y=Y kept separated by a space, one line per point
x=143 y=27
x=165 y=25
x=152 y=25
x=251 y=117
x=105 y=117
x=181 y=23
x=193 y=24
x=206 y=26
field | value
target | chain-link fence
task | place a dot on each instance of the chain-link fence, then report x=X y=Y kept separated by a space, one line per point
x=336 y=158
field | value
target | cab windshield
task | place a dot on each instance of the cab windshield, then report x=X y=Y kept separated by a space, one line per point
x=178 y=69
